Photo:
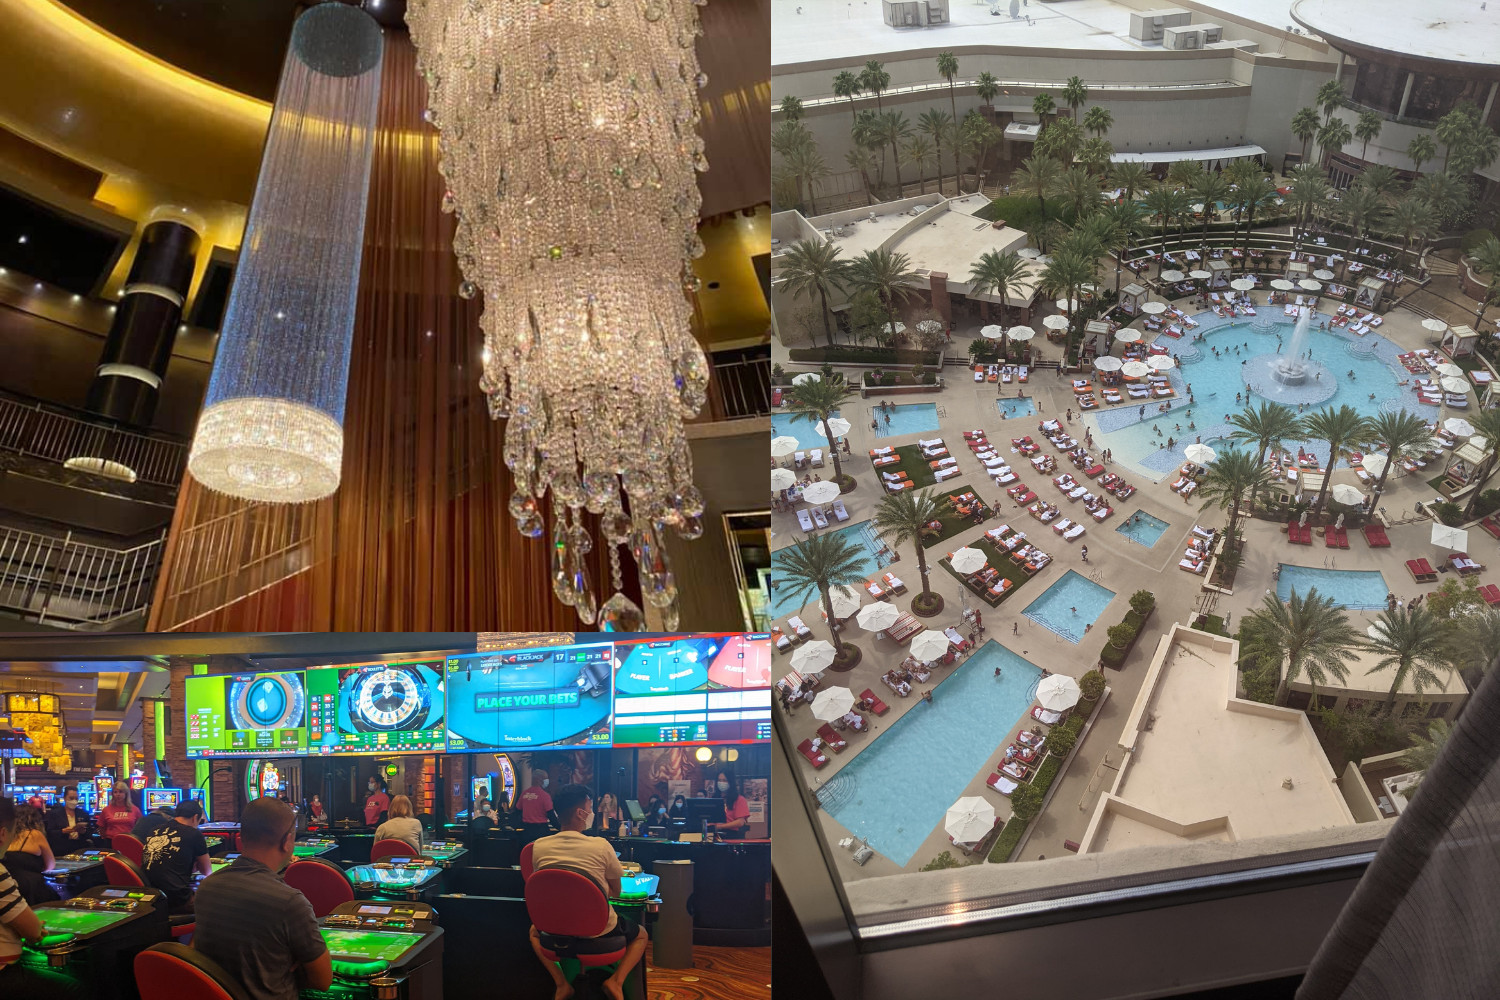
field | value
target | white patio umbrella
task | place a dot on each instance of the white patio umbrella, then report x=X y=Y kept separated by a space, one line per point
x=929 y=645
x=1376 y=631
x=967 y=560
x=1066 y=305
x=821 y=492
x=879 y=615
x=781 y=479
x=1447 y=537
x=1344 y=493
x=1323 y=274
x=838 y=425
x=845 y=601
x=1197 y=206
x=1449 y=370
x=1282 y=285
x=1171 y=274
x=1434 y=324
x=1454 y=385
x=813 y=656
x=783 y=446
x=992 y=332
x=1198 y=275
x=1055 y=322
x=1161 y=362
x=969 y=820
x=1200 y=454
x=1310 y=285
x=1242 y=284
x=1153 y=308
x=1020 y=334
x=1375 y=464
x=1108 y=363
x=1029 y=253
x=1459 y=426
x=1135 y=369
x=1058 y=693
x=1126 y=335
x=833 y=703
x=807 y=377
x=899 y=328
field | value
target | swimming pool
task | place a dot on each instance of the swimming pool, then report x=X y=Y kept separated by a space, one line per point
x=1143 y=529
x=1069 y=605
x=1013 y=407
x=905 y=418
x=807 y=437
x=784 y=599
x=898 y=790
x=1355 y=589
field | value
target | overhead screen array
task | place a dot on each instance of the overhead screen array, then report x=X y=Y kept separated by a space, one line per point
x=629 y=692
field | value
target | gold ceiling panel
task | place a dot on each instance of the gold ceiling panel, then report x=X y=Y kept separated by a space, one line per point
x=735 y=314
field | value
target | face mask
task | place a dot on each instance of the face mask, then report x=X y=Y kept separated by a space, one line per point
x=72 y=803
x=679 y=802
x=588 y=820
x=371 y=786
x=723 y=786
x=546 y=782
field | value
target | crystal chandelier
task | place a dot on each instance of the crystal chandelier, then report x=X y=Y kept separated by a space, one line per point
x=568 y=133
x=272 y=421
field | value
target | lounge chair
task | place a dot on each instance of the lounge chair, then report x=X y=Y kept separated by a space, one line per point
x=780 y=639
x=887 y=450
x=831 y=739
x=1017 y=770
x=1462 y=564
x=819 y=518
x=1045 y=717
x=838 y=510
x=877 y=707
x=903 y=628
x=885 y=460
x=943 y=463
x=796 y=625
x=1191 y=565
x=894 y=582
x=1205 y=533
x=948 y=473
x=1375 y=536
x=1491 y=594
x=1421 y=570
x=1001 y=477
x=1063 y=525
x=816 y=759
x=817 y=456
x=1073 y=532
x=800 y=459
x=1001 y=784
x=804 y=519
x=934 y=443
x=1490 y=525
x=874 y=590
x=905 y=484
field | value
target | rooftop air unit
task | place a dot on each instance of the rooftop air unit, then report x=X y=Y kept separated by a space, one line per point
x=1151 y=25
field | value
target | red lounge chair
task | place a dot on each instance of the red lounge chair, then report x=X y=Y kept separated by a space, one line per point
x=775 y=397
x=831 y=739
x=1421 y=570
x=1491 y=594
x=1376 y=537
x=1343 y=537
x=1331 y=539
x=1489 y=524
x=877 y=707
x=1093 y=471
x=816 y=759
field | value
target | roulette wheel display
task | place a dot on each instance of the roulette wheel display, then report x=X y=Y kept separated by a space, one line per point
x=383 y=699
x=267 y=701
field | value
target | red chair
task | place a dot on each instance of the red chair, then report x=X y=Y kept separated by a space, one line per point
x=569 y=909
x=128 y=845
x=323 y=883
x=170 y=971
x=120 y=871
x=526 y=863
x=392 y=849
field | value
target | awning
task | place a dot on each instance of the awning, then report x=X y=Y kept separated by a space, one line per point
x=1023 y=131
x=1209 y=157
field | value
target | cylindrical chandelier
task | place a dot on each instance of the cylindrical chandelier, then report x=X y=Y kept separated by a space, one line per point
x=568 y=132
x=272 y=422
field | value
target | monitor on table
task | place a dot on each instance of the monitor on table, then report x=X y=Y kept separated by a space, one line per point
x=700 y=811
x=633 y=807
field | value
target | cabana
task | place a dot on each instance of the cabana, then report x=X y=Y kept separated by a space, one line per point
x=1370 y=292
x=1458 y=341
x=1132 y=297
x=1219 y=269
x=1099 y=330
x=1296 y=270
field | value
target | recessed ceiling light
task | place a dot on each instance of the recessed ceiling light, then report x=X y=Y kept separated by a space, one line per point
x=280 y=314
x=77 y=298
x=21 y=238
x=37 y=286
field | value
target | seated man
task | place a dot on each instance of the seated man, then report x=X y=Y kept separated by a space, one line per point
x=261 y=930
x=574 y=807
x=151 y=822
x=173 y=852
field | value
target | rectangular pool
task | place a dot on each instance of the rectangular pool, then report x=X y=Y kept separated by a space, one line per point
x=1012 y=407
x=785 y=424
x=1069 y=605
x=905 y=418
x=1356 y=589
x=875 y=556
x=898 y=790
x=1143 y=529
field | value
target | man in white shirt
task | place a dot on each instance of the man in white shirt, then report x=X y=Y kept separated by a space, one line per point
x=574 y=806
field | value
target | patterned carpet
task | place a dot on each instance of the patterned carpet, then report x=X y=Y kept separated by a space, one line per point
x=719 y=974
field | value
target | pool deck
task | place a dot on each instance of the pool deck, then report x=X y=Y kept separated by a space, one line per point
x=1114 y=561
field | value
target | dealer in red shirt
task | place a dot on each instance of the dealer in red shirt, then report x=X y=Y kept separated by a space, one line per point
x=736 y=808
x=536 y=805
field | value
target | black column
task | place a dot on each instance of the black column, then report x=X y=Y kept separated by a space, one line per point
x=134 y=361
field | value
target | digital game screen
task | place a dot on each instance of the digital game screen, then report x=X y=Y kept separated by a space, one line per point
x=246 y=715
x=368 y=946
x=527 y=698
x=693 y=689
x=376 y=708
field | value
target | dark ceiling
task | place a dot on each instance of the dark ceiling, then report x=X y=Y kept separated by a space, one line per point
x=235 y=43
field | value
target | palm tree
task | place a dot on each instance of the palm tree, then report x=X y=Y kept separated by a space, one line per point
x=1098 y=120
x=1211 y=188
x=791 y=108
x=1410 y=641
x=1254 y=194
x=816 y=565
x=1064 y=276
x=867 y=133
x=874 y=78
x=1309 y=196
x=1269 y=424
x=1096 y=152
x=1486 y=260
x=1474 y=640
x=1184 y=173
x=1486 y=425
x=1074 y=93
x=999 y=273
x=816 y=401
x=860 y=158
x=1234 y=477
x=977 y=137
x=1413 y=220
x=807 y=163
x=1339 y=428
x=987 y=87
x=1129 y=219
x=1451 y=130
x=1401 y=433
x=1360 y=207
x=919 y=152
x=1382 y=179
x=1422 y=150
x=847 y=85
x=1079 y=191
x=1333 y=137
x=1424 y=751
x=893 y=129
x=1042 y=105
x=1304 y=127
x=1061 y=140
x=1132 y=177
x=1309 y=635
x=1367 y=127
x=947 y=66
x=813 y=265
x=1447 y=194
x=1330 y=96
x=901 y=518
x=885 y=274
x=1039 y=175
x=1161 y=202
x=938 y=127
x=1478 y=149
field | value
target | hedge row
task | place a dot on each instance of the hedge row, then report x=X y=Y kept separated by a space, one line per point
x=842 y=354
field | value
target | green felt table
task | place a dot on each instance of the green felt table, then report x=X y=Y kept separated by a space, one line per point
x=58 y=919
x=369 y=946
x=313 y=848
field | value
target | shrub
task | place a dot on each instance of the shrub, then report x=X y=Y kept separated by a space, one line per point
x=930 y=378
x=1008 y=839
x=888 y=379
x=1487 y=503
x=777 y=371
x=944 y=860
x=918 y=370
x=1142 y=601
x=846 y=354
x=1448 y=512
x=1121 y=634
x=1026 y=802
x=1473 y=239
x=1092 y=684
x=1060 y=741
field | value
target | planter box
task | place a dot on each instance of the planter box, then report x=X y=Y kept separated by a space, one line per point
x=898 y=390
x=1107 y=653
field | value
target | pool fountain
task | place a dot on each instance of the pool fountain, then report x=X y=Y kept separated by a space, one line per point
x=1290 y=377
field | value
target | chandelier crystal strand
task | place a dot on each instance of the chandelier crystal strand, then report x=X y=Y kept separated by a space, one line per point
x=570 y=148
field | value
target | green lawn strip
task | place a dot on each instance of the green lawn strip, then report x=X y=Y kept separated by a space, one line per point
x=915 y=466
x=953 y=522
x=998 y=558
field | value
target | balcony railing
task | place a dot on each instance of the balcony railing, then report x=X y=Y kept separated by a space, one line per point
x=740 y=387
x=32 y=428
x=71 y=584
